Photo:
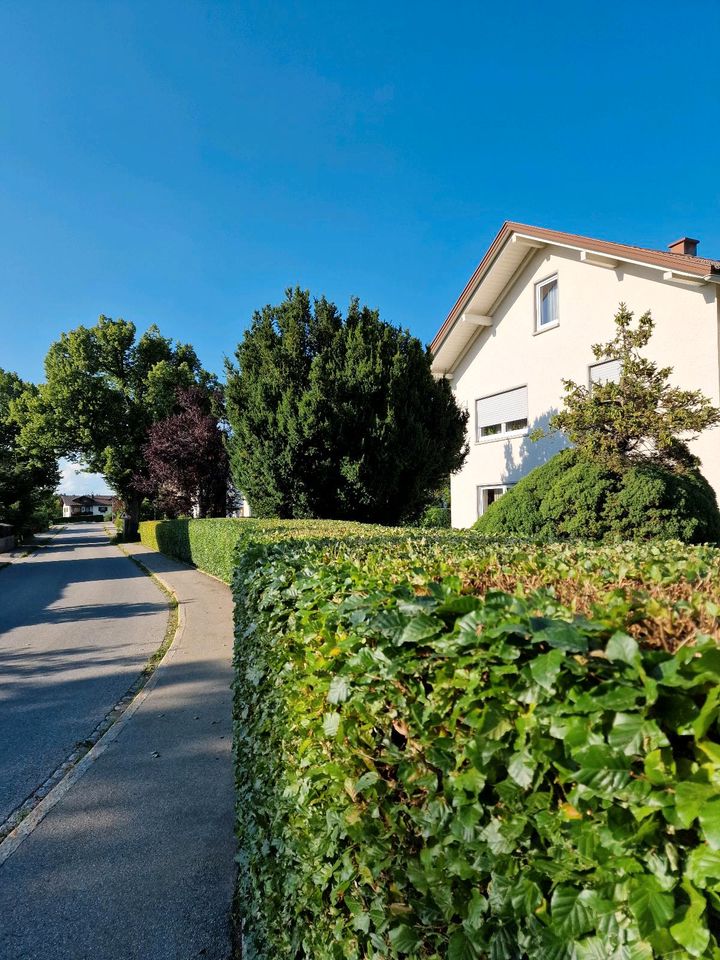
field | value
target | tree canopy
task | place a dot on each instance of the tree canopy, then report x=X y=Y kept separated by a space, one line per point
x=104 y=389
x=338 y=417
x=641 y=417
x=185 y=458
x=27 y=479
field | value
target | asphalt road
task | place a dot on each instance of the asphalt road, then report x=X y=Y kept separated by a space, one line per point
x=136 y=860
x=78 y=621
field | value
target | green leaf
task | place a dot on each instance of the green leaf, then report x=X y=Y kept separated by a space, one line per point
x=546 y=667
x=458 y=606
x=404 y=938
x=690 y=797
x=419 y=628
x=366 y=780
x=592 y=948
x=710 y=822
x=562 y=636
x=691 y=932
x=650 y=905
x=621 y=647
x=708 y=713
x=573 y=911
x=639 y=950
x=338 y=691
x=331 y=724
x=632 y=734
x=521 y=768
x=703 y=864
x=602 y=769
x=461 y=947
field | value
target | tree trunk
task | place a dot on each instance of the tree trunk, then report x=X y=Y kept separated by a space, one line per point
x=132 y=514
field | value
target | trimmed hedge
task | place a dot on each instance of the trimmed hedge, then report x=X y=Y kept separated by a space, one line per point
x=212 y=544
x=569 y=498
x=430 y=767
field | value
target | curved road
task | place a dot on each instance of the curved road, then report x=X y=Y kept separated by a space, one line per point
x=78 y=622
x=135 y=861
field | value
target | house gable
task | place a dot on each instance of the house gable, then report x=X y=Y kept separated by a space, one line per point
x=509 y=357
x=515 y=245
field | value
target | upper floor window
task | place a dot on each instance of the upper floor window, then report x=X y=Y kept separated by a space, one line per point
x=605 y=372
x=501 y=414
x=546 y=304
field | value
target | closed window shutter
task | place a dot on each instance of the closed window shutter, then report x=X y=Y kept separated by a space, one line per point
x=608 y=370
x=501 y=408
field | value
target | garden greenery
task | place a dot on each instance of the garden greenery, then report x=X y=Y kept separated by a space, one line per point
x=571 y=497
x=449 y=748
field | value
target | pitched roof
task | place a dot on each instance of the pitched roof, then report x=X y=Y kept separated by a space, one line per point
x=99 y=499
x=681 y=263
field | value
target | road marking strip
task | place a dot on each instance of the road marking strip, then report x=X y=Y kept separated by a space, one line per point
x=26 y=826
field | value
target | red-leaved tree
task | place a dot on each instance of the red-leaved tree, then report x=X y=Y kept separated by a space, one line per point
x=187 y=464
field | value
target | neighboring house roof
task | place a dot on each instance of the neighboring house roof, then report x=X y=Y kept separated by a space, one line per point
x=509 y=251
x=100 y=500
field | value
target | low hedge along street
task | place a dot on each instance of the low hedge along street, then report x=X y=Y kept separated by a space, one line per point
x=452 y=748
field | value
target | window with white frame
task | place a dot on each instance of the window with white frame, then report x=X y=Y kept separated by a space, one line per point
x=501 y=414
x=546 y=304
x=487 y=494
x=607 y=371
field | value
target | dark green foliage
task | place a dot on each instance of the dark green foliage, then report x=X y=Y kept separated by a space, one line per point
x=437 y=513
x=27 y=479
x=427 y=772
x=570 y=498
x=336 y=417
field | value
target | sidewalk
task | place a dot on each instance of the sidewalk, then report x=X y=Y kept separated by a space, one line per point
x=136 y=861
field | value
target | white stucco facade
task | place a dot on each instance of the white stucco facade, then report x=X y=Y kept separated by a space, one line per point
x=505 y=350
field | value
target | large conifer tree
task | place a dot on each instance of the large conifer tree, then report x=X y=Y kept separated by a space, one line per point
x=338 y=417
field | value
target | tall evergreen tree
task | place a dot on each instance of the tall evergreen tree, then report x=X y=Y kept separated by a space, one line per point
x=338 y=418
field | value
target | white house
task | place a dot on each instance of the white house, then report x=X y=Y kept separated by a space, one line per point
x=86 y=506
x=527 y=319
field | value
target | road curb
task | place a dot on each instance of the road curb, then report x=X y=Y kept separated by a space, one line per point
x=26 y=826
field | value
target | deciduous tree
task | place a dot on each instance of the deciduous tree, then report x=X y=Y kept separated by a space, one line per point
x=185 y=456
x=104 y=389
x=27 y=479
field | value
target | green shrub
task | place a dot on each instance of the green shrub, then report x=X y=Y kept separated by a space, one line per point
x=570 y=498
x=429 y=767
x=211 y=544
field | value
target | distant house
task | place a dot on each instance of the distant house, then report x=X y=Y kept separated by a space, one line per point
x=91 y=506
x=527 y=319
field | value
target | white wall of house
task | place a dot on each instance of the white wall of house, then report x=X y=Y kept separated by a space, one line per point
x=96 y=511
x=512 y=353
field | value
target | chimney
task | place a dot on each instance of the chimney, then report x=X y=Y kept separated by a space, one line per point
x=684 y=245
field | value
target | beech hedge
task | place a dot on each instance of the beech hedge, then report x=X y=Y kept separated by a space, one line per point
x=447 y=748
x=212 y=545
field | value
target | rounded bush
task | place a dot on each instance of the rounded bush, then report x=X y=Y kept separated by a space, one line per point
x=570 y=498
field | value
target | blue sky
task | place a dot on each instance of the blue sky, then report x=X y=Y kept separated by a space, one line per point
x=183 y=163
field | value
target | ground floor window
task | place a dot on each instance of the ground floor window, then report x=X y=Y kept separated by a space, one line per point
x=488 y=494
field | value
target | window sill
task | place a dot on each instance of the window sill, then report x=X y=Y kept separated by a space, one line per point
x=502 y=436
x=548 y=326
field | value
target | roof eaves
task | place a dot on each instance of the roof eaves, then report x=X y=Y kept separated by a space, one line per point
x=700 y=267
